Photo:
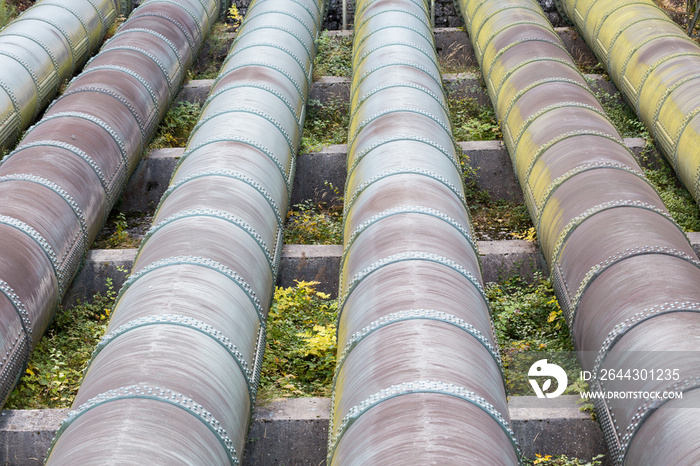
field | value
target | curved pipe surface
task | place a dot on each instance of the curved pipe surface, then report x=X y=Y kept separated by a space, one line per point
x=418 y=379
x=42 y=48
x=58 y=186
x=181 y=358
x=656 y=66
x=623 y=270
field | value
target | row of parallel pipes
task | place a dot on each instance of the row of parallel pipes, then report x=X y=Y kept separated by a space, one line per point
x=418 y=378
x=174 y=380
x=656 y=66
x=58 y=186
x=624 y=272
x=42 y=48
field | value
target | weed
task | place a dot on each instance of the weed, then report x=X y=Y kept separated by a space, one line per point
x=622 y=116
x=563 y=460
x=176 y=126
x=55 y=368
x=501 y=220
x=209 y=64
x=123 y=231
x=234 y=18
x=325 y=124
x=333 y=56
x=300 y=352
x=676 y=197
x=527 y=319
x=472 y=121
x=456 y=60
x=8 y=12
x=309 y=223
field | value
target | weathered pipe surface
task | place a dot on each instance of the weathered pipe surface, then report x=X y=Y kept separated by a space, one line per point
x=175 y=378
x=625 y=274
x=656 y=66
x=418 y=379
x=59 y=184
x=42 y=48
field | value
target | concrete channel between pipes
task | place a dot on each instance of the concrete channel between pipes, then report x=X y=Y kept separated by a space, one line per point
x=624 y=273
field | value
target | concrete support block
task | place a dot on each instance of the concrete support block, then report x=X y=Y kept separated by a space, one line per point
x=329 y=88
x=504 y=259
x=492 y=167
x=25 y=436
x=293 y=432
x=195 y=91
x=319 y=263
x=149 y=181
x=318 y=173
x=555 y=426
x=99 y=267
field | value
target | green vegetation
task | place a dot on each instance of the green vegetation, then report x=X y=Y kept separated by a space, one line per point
x=527 y=320
x=56 y=366
x=8 y=12
x=209 y=64
x=622 y=116
x=300 y=353
x=456 y=60
x=676 y=197
x=326 y=124
x=123 y=231
x=176 y=126
x=563 y=460
x=309 y=223
x=333 y=56
x=472 y=121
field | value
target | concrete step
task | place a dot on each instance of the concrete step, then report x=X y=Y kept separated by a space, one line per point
x=450 y=43
x=490 y=160
x=295 y=431
x=321 y=263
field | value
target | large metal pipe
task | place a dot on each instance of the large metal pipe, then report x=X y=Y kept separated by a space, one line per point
x=180 y=362
x=656 y=66
x=418 y=379
x=42 y=48
x=58 y=186
x=623 y=270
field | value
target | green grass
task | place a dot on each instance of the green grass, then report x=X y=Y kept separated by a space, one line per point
x=176 y=126
x=8 y=12
x=472 y=121
x=326 y=124
x=529 y=322
x=333 y=56
x=55 y=368
x=300 y=352
x=562 y=460
x=309 y=223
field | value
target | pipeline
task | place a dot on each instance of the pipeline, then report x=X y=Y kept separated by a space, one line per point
x=180 y=362
x=42 y=48
x=58 y=186
x=624 y=272
x=418 y=378
x=656 y=66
